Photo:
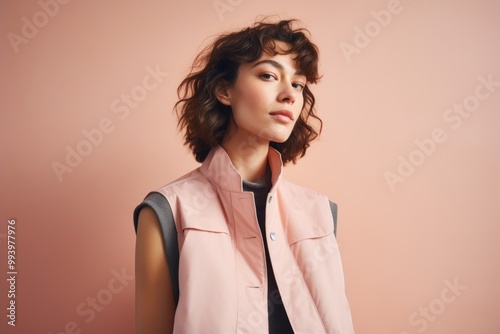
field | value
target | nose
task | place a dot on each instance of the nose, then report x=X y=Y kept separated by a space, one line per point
x=287 y=93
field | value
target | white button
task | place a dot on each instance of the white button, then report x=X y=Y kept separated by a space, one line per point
x=273 y=236
x=270 y=198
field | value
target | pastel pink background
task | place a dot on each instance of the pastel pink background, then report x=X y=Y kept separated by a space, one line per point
x=399 y=245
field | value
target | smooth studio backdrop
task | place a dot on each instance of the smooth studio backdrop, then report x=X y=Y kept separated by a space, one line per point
x=410 y=99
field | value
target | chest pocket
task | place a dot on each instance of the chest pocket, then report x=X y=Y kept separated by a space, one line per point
x=304 y=230
x=209 y=218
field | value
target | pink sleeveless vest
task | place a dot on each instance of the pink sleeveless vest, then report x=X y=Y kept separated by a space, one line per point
x=222 y=264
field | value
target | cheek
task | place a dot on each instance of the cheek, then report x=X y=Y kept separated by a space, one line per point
x=301 y=105
x=249 y=100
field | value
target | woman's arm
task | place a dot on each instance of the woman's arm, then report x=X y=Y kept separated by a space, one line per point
x=154 y=300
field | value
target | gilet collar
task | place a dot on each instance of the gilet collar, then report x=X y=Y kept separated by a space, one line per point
x=219 y=170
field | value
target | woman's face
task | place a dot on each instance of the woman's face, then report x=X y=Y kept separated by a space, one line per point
x=266 y=99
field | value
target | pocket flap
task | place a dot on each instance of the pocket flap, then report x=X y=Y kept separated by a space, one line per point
x=303 y=229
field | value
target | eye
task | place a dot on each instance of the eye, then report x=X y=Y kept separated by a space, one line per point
x=299 y=86
x=267 y=76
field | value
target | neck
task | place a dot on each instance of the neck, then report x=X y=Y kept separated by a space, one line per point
x=248 y=155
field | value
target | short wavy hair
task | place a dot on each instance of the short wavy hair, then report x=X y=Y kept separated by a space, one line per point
x=205 y=119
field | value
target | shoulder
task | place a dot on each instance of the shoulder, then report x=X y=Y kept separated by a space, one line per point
x=188 y=183
x=186 y=178
x=306 y=198
x=293 y=189
x=151 y=204
x=182 y=195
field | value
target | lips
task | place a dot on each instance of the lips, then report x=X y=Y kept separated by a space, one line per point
x=284 y=116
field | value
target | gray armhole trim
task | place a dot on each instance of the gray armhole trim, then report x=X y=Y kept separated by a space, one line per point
x=161 y=207
x=333 y=207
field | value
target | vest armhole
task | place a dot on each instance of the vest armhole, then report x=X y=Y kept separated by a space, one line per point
x=163 y=211
x=334 y=208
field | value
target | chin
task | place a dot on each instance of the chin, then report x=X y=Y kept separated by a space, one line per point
x=279 y=140
x=275 y=136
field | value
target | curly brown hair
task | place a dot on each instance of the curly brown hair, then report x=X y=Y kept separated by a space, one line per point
x=205 y=119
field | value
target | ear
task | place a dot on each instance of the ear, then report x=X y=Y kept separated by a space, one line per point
x=222 y=94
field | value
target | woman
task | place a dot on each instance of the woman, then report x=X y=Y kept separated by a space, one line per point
x=258 y=254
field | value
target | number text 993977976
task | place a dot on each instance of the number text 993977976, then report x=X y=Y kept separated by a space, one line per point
x=11 y=272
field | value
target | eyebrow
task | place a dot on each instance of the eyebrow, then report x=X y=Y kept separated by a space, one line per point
x=276 y=64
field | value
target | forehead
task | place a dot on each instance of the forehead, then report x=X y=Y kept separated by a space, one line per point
x=282 y=62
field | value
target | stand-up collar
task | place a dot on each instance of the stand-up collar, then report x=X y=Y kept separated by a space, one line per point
x=219 y=169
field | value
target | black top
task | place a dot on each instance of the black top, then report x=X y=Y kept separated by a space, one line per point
x=278 y=319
